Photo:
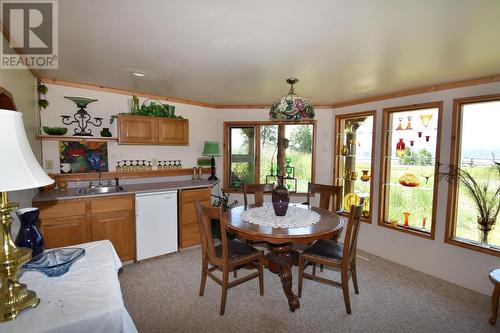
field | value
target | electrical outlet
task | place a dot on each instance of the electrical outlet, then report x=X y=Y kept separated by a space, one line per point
x=49 y=164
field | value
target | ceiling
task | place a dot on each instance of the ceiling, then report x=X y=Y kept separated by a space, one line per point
x=241 y=52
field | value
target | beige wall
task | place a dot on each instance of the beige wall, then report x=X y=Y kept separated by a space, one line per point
x=461 y=266
x=22 y=85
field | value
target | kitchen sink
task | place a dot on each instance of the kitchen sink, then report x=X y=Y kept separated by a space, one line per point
x=99 y=190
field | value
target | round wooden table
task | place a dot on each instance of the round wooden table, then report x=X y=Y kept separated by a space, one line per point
x=279 y=258
x=495 y=278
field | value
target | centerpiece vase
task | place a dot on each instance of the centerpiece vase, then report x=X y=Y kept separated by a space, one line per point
x=281 y=199
x=485 y=226
x=29 y=236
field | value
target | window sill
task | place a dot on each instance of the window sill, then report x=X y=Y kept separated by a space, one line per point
x=471 y=245
x=408 y=230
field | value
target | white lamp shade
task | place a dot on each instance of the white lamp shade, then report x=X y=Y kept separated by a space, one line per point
x=19 y=169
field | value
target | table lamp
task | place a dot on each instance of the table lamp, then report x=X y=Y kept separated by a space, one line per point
x=19 y=170
x=211 y=148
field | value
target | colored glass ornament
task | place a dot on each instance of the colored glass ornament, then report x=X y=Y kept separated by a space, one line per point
x=400 y=148
x=407 y=218
x=426 y=119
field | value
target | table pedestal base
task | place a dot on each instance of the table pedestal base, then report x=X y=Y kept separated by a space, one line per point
x=279 y=261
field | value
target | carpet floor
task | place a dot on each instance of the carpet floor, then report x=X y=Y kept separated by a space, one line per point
x=162 y=296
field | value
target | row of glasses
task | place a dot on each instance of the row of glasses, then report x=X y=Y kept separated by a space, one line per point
x=167 y=165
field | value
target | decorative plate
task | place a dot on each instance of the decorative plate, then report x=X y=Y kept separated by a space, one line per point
x=351 y=199
x=55 y=262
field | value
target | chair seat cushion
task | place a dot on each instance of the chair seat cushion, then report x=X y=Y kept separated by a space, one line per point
x=236 y=250
x=327 y=249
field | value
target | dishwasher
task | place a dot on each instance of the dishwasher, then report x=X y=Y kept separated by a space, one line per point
x=155 y=223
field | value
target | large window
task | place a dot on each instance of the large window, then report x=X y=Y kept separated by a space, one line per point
x=251 y=153
x=354 y=137
x=410 y=160
x=475 y=145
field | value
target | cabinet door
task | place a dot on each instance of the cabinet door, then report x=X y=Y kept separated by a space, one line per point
x=189 y=231
x=173 y=131
x=65 y=231
x=118 y=227
x=64 y=223
x=137 y=129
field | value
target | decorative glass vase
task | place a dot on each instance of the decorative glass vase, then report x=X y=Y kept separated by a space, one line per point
x=281 y=199
x=400 y=148
x=106 y=133
x=29 y=236
x=485 y=226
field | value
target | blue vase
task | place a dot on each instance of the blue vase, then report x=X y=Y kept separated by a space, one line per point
x=29 y=236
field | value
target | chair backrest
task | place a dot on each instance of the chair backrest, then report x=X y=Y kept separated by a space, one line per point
x=205 y=215
x=351 y=234
x=325 y=194
x=258 y=191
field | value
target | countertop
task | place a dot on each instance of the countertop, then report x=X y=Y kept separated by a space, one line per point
x=70 y=193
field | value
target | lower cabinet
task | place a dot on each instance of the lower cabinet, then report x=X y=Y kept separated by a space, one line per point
x=72 y=222
x=189 y=233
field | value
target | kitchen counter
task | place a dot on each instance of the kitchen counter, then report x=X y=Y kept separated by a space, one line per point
x=70 y=193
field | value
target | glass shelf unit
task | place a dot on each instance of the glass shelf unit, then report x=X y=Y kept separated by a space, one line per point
x=410 y=156
x=353 y=151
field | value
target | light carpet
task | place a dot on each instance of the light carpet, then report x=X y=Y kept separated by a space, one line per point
x=162 y=296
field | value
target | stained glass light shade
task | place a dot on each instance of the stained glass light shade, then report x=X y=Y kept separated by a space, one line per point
x=291 y=106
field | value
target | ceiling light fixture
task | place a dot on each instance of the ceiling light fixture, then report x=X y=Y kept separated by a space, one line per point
x=291 y=106
x=139 y=74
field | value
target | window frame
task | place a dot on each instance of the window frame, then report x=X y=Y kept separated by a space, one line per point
x=336 y=151
x=384 y=171
x=455 y=148
x=257 y=125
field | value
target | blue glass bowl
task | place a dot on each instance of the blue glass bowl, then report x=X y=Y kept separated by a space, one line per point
x=55 y=262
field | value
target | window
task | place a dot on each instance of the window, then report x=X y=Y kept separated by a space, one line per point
x=251 y=153
x=410 y=160
x=474 y=145
x=354 y=135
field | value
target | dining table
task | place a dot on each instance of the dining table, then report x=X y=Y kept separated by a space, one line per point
x=281 y=240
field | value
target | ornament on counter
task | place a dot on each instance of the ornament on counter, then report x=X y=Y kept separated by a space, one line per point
x=408 y=125
x=400 y=148
x=365 y=176
x=426 y=119
x=106 y=133
x=407 y=219
x=400 y=124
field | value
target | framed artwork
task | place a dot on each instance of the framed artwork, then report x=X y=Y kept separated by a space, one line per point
x=76 y=157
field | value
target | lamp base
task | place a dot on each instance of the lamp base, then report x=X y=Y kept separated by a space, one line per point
x=14 y=296
x=212 y=170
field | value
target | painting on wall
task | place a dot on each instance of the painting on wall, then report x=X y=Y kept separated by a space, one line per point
x=79 y=157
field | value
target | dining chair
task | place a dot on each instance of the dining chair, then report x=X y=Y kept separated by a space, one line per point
x=227 y=256
x=325 y=194
x=258 y=191
x=333 y=254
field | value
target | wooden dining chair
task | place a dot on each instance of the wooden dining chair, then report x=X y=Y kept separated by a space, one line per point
x=227 y=256
x=258 y=191
x=335 y=255
x=326 y=192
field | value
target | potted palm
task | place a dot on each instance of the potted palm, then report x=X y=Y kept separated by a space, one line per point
x=485 y=195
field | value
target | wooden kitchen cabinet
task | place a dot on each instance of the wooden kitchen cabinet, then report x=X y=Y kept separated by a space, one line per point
x=152 y=131
x=113 y=218
x=64 y=223
x=72 y=222
x=189 y=233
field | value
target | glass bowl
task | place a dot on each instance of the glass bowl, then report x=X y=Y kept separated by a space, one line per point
x=55 y=262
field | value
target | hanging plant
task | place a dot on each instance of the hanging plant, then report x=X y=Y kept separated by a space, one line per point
x=43 y=103
x=42 y=99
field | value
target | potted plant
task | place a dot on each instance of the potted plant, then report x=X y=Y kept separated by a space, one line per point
x=485 y=195
x=221 y=201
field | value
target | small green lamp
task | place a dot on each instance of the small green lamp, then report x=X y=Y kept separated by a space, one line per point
x=212 y=148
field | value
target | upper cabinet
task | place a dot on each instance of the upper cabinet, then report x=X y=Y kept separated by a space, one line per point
x=152 y=131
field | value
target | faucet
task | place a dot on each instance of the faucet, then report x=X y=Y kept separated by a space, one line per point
x=100 y=178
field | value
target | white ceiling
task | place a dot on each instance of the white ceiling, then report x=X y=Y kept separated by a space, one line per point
x=241 y=52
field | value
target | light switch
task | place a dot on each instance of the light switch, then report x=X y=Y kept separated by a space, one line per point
x=49 y=164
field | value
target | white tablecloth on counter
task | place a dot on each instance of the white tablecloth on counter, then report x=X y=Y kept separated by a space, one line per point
x=87 y=298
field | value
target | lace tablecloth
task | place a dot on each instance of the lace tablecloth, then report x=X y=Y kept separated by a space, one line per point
x=296 y=217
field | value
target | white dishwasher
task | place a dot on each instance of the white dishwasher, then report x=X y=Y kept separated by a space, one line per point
x=155 y=223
